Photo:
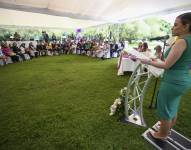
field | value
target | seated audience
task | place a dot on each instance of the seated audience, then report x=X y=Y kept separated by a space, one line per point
x=50 y=47
x=158 y=52
x=33 y=52
x=145 y=50
x=3 y=57
x=25 y=51
x=139 y=48
x=144 y=47
x=17 y=51
x=9 y=53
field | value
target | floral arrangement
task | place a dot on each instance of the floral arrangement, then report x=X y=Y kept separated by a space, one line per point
x=117 y=104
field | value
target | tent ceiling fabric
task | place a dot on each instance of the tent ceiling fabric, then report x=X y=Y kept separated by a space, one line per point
x=20 y=18
x=99 y=11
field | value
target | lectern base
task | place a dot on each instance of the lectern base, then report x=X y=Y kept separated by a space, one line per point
x=175 y=140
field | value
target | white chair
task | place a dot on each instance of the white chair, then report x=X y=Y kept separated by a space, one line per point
x=100 y=53
x=27 y=57
x=49 y=53
x=78 y=52
x=107 y=54
x=114 y=54
x=1 y=62
x=9 y=60
x=88 y=53
x=126 y=64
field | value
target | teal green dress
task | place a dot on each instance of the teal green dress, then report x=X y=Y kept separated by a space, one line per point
x=175 y=82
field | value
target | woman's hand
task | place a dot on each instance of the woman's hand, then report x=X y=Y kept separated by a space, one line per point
x=154 y=59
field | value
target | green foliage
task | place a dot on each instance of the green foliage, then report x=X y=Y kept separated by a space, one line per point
x=140 y=29
x=28 y=33
x=158 y=27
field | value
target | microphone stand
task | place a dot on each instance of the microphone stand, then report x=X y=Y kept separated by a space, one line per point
x=164 y=45
x=156 y=81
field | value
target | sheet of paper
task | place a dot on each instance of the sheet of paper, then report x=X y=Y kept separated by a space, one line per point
x=154 y=70
x=137 y=54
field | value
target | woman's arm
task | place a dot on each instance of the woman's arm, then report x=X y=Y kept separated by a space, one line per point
x=175 y=53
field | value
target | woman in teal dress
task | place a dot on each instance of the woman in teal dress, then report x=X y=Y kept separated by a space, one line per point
x=177 y=76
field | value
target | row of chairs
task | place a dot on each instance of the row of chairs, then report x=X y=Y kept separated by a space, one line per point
x=101 y=54
x=9 y=60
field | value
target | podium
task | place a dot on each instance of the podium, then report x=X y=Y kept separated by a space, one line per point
x=133 y=102
x=134 y=95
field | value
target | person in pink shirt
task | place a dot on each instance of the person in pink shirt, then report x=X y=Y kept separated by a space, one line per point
x=9 y=53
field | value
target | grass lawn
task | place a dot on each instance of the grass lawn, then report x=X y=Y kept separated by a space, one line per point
x=62 y=103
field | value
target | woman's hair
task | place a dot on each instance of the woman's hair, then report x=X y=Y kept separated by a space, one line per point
x=140 y=45
x=186 y=19
x=144 y=46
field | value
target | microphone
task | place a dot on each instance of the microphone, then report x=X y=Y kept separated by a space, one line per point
x=160 y=38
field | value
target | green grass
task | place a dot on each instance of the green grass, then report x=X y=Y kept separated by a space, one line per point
x=62 y=103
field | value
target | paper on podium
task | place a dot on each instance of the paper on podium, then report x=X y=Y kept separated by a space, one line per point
x=137 y=54
x=154 y=70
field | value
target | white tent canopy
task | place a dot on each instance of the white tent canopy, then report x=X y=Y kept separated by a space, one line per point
x=83 y=13
x=20 y=18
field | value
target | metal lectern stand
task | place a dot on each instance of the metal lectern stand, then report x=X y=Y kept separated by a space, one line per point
x=134 y=95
